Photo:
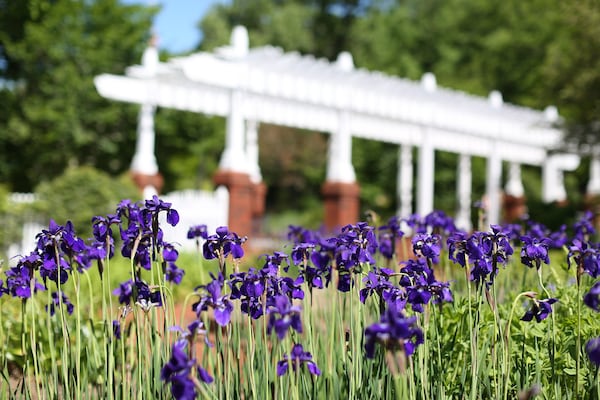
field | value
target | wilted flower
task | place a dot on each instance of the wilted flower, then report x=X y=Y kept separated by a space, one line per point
x=297 y=358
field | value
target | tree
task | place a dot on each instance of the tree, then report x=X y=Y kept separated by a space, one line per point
x=50 y=52
x=572 y=71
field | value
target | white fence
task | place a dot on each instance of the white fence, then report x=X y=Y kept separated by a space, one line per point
x=195 y=207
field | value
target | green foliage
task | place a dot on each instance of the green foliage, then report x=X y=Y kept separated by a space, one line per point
x=188 y=148
x=80 y=194
x=53 y=116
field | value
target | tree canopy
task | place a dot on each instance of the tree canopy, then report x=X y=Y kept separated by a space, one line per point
x=537 y=53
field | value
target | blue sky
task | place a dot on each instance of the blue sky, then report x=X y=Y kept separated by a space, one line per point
x=176 y=22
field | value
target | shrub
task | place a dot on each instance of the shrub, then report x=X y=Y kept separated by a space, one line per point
x=79 y=194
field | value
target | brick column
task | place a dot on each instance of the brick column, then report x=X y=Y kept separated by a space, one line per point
x=259 y=194
x=514 y=207
x=145 y=181
x=241 y=196
x=341 y=204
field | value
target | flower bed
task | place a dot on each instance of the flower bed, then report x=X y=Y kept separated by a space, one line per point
x=337 y=316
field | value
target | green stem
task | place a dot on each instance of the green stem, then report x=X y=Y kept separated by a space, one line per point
x=507 y=355
x=578 y=345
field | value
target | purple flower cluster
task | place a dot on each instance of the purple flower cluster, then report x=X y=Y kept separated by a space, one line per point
x=256 y=287
x=484 y=252
x=211 y=297
x=182 y=372
x=389 y=234
x=394 y=331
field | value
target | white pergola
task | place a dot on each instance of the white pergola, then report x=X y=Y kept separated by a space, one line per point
x=264 y=84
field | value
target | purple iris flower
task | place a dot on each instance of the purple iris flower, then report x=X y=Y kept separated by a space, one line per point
x=540 y=309
x=197 y=231
x=297 y=358
x=249 y=287
x=156 y=205
x=223 y=243
x=534 y=251
x=360 y=243
x=116 y=329
x=19 y=277
x=173 y=273
x=298 y=234
x=57 y=299
x=428 y=246
x=273 y=262
x=584 y=227
x=585 y=256
x=592 y=298
x=146 y=297
x=394 y=331
x=439 y=223
x=458 y=248
x=124 y=291
x=178 y=372
x=283 y=315
x=592 y=348
x=101 y=226
x=301 y=253
x=388 y=236
x=416 y=223
x=376 y=281
x=212 y=298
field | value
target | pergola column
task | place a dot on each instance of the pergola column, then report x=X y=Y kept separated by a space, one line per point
x=404 y=183
x=463 y=191
x=593 y=186
x=492 y=188
x=425 y=172
x=233 y=169
x=514 y=197
x=144 y=168
x=234 y=155
x=340 y=190
x=259 y=189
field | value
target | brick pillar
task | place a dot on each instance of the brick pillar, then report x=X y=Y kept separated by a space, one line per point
x=259 y=194
x=142 y=181
x=341 y=204
x=240 y=200
x=514 y=207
